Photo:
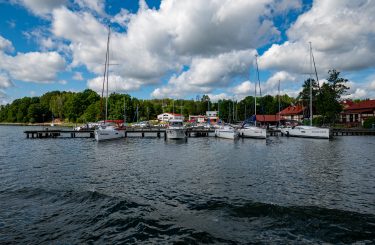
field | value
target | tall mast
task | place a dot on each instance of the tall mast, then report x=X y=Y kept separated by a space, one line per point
x=279 y=102
x=218 y=109
x=256 y=62
x=233 y=111
x=311 y=70
x=137 y=113
x=124 y=109
x=107 y=69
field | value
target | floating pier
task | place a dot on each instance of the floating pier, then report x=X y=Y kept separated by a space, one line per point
x=353 y=132
x=157 y=132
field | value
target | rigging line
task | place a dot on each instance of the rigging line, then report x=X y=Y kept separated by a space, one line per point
x=316 y=74
x=260 y=89
x=106 y=101
x=104 y=78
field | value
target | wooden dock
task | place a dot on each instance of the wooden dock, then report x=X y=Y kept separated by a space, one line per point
x=142 y=132
x=157 y=132
x=353 y=132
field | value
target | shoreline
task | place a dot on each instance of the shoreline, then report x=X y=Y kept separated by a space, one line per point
x=41 y=124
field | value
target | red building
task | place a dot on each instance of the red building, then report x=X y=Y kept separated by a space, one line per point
x=269 y=119
x=355 y=114
x=292 y=113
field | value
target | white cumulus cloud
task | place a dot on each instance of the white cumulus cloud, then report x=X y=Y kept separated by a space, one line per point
x=33 y=66
x=115 y=84
x=342 y=34
x=5 y=44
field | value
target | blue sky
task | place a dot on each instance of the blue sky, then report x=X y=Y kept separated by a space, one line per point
x=181 y=49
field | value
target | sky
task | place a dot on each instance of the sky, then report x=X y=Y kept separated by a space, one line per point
x=184 y=49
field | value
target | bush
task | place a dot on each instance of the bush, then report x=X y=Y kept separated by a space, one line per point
x=318 y=121
x=369 y=122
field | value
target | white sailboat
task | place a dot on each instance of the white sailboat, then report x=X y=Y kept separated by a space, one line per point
x=226 y=132
x=252 y=131
x=106 y=130
x=176 y=129
x=308 y=131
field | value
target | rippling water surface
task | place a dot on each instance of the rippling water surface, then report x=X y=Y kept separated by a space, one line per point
x=205 y=190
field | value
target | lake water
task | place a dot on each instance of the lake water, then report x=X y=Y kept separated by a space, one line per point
x=205 y=190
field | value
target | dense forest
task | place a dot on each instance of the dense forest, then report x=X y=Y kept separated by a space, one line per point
x=87 y=106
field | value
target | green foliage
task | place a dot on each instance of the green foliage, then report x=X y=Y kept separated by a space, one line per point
x=326 y=98
x=369 y=122
x=328 y=104
x=318 y=121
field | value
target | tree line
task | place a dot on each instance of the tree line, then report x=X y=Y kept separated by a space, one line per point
x=87 y=106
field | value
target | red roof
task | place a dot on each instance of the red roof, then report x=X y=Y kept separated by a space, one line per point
x=174 y=114
x=115 y=121
x=292 y=110
x=366 y=104
x=268 y=118
x=346 y=103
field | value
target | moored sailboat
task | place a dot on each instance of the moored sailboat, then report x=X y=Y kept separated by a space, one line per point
x=252 y=131
x=107 y=130
x=226 y=132
x=308 y=131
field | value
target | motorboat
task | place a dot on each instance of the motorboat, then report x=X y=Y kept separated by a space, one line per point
x=175 y=129
x=108 y=131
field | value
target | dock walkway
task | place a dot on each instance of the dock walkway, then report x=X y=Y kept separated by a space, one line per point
x=190 y=132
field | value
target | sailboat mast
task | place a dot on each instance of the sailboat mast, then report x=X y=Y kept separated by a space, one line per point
x=311 y=112
x=255 y=97
x=279 y=101
x=137 y=113
x=107 y=69
x=124 y=109
x=218 y=109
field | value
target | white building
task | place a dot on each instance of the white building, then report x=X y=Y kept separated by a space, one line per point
x=211 y=114
x=165 y=117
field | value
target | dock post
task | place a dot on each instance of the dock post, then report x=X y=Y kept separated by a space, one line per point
x=126 y=134
x=27 y=135
x=158 y=134
x=143 y=134
x=165 y=135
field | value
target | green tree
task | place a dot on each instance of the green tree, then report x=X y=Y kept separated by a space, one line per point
x=369 y=122
x=328 y=103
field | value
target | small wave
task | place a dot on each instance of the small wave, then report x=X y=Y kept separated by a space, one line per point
x=327 y=225
x=71 y=217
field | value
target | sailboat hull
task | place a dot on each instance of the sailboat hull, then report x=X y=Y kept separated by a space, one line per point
x=253 y=132
x=308 y=132
x=226 y=133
